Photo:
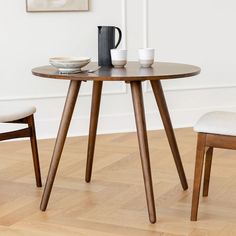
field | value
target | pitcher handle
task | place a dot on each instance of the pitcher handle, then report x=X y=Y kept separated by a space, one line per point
x=120 y=36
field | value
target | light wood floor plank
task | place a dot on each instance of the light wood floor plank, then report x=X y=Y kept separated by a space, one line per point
x=114 y=204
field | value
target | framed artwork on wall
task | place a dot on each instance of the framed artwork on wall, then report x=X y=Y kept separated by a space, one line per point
x=56 y=5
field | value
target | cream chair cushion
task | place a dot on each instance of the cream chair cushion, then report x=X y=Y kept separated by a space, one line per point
x=217 y=122
x=11 y=113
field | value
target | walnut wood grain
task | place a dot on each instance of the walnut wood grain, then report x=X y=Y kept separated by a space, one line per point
x=207 y=141
x=25 y=133
x=34 y=148
x=134 y=75
x=60 y=141
x=207 y=172
x=22 y=133
x=96 y=99
x=200 y=152
x=163 y=109
x=132 y=72
x=221 y=141
x=139 y=112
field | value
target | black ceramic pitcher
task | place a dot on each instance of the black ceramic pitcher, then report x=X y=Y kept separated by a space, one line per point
x=106 y=42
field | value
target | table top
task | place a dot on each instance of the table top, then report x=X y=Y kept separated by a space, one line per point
x=131 y=72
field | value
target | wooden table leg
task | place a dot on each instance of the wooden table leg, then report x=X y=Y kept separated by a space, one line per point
x=96 y=99
x=60 y=141
x=161 y=103
x=137 y=95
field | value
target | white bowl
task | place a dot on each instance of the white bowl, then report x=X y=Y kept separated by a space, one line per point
x=69 y=64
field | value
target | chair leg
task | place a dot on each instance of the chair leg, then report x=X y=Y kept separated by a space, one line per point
x=34 y=148
x=200 y=152
x=207 y=172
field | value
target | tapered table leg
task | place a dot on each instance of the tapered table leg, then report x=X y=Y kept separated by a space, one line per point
x=161 y=102
x=61 y=136
x=96 y=99
x=137 y=95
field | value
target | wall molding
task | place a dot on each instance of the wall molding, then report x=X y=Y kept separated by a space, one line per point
x=123 y=90
x=148 y=89
x=125 y=122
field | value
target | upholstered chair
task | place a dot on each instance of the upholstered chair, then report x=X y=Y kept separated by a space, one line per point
x=215 y=130
x=9 y=118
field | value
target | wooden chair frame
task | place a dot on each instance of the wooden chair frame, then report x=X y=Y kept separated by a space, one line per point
x=27 y=132
x=205 y=144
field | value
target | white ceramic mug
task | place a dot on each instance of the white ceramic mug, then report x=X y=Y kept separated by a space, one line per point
x=118 y=57
x=146 y=57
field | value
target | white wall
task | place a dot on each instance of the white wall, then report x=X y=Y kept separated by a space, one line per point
x=195 y=32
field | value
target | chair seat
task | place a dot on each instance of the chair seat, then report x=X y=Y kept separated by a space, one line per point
x=10 y=113
x=218 y=122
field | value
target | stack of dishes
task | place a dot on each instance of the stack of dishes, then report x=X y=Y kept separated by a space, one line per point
x=69 y=64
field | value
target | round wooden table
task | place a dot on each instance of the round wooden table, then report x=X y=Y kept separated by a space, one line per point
x=134 y=75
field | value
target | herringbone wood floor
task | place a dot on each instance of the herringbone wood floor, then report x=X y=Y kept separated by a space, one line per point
x=114 y=204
